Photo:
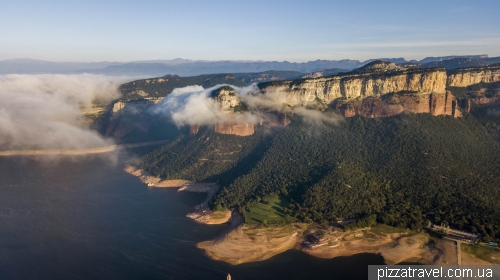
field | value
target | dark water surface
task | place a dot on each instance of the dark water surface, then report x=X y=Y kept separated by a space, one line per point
x=88 y=219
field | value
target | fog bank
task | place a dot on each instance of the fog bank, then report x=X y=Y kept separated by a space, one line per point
x=193 y=105
x=44 y=111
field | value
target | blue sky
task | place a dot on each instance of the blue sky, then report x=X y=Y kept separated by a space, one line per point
x=290 y=30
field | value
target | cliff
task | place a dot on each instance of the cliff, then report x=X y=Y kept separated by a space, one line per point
x=374 y=80
x=227 y=98
x=464 y=77
x=230 y=104
x=236 y=128
x=377 y=107
x=378 y=89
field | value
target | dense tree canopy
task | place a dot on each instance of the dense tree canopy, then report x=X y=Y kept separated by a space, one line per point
x=402 y=170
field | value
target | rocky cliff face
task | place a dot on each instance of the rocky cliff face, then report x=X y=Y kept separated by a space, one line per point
x=376 y=107
x=231 y=104
x=371 y=81
x=464 y=77
x=227 y=98
x=379 y=89
x=236 y=128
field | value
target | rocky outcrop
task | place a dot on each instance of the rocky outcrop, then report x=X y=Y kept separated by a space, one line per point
x=236 y=128
x=376 y=107
x=193 y=129
x=132 y=107
x=231 y=104
x=378 y=89
x=373 y=81
x=464 y=77
x=227 y=98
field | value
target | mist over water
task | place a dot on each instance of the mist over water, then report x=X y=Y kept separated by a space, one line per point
x=88 y=219
x=85 y=218
x=44 y=111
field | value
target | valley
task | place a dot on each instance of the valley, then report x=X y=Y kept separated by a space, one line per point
x=397 y=146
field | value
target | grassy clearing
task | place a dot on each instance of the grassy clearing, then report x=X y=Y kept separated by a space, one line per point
x=254 y=230
x=218 y=215
x=270 y=211
x=381 y=229
x=485 y=253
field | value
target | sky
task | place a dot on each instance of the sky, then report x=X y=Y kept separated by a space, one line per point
x=295 y=31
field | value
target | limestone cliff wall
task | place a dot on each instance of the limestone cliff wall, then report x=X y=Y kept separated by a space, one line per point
x=302 y=92
x=375 y=107
x=240 y=129
x=469 y=76
x=227 y=99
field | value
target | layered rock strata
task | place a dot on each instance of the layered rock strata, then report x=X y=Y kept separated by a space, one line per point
x=236 y=128
x=376 y=107
x=230 y=104
x=357 y=85
x=464 y=77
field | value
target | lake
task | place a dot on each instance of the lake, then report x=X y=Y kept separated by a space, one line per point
x=85 y=218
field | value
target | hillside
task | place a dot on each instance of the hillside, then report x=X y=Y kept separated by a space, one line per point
x=378 y=89
x=324 y=73
x=405 y=169
x=414 y=147
x=162 y=86
x=456 y=62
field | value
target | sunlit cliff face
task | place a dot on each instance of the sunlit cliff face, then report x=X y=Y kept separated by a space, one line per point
x=44 y=111
x=230 y=109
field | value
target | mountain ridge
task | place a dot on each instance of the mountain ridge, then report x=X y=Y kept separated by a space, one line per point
x=186 y=67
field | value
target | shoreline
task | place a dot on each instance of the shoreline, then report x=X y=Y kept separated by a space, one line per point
x=78 y=152
x=202 y=214
x=243 y=243
x=252 y=243
x=395 y=246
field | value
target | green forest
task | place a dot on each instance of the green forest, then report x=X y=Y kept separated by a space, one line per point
x=402 y=170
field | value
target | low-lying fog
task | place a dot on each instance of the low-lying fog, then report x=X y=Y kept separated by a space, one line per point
x=44 y=111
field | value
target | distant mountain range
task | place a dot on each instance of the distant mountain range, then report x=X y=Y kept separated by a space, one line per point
x=185 y=67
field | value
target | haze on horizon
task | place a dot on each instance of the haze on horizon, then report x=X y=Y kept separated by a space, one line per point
x=295 y=31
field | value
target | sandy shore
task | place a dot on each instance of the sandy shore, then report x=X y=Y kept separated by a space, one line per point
x=202 y=212
x=250 y=243
x=394 y=247
x=157 y=182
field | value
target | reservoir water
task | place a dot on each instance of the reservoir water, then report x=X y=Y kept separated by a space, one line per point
x=88 y=219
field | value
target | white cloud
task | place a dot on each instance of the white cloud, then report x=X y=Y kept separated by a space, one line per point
x=43 y=111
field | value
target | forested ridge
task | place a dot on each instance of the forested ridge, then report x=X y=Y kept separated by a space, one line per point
x=404 y=169
x=162 y=86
